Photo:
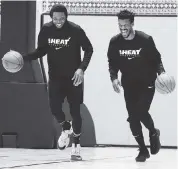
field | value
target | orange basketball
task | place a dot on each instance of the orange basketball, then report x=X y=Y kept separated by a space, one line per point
x=165 y=84
x=12 y=61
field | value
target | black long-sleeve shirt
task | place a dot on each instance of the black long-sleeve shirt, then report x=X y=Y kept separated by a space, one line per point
x=63 y=49
x=137 y=59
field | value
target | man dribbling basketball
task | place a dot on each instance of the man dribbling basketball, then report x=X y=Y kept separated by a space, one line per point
x=135 y=55
x=62 y=40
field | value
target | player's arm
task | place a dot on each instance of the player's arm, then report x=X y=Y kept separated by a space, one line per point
x=112 y=63
x=155 y=53
x=88 y=51
x=41 y=48
x=113 y=67
x=87 y=48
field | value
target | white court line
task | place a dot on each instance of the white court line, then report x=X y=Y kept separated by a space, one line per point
x=63 y=161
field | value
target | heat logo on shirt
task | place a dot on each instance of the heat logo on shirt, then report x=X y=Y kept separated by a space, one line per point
x=59 y=43
x=130 y=54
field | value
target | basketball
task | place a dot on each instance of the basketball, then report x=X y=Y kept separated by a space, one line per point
x=12 y=61
x=165 y=84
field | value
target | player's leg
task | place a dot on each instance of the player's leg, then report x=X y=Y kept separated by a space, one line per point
x=131 y=99
x=145 y=101
x=76 y=125
x=75 y=98
x=57 y=94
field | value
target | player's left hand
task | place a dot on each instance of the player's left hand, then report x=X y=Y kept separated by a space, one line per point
x=161 y=73
x=78 y=77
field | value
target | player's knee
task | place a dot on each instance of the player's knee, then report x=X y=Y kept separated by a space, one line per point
x=74 y=108
x=134 y=125
x=143 y=114
x=133 y=118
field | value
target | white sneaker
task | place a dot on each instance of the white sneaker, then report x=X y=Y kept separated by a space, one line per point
x=64 y=139
x=75 y=154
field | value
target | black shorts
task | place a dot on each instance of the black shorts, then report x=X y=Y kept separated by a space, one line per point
x=138 y=98
x=64 y=88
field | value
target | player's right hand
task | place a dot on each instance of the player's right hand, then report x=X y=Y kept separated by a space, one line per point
x=116 y=85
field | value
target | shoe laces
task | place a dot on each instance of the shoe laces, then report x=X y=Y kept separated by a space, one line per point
x=64 y=135
x=76 y=149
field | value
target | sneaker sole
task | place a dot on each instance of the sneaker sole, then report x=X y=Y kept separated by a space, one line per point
x=143 y=159
x=76 y=158
x=61 y=148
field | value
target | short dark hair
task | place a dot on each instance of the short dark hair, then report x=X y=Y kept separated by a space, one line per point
x=58 y=8
x=125 y=14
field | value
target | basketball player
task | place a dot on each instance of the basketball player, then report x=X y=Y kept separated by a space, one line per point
x=134 y=53
x=62 y=41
